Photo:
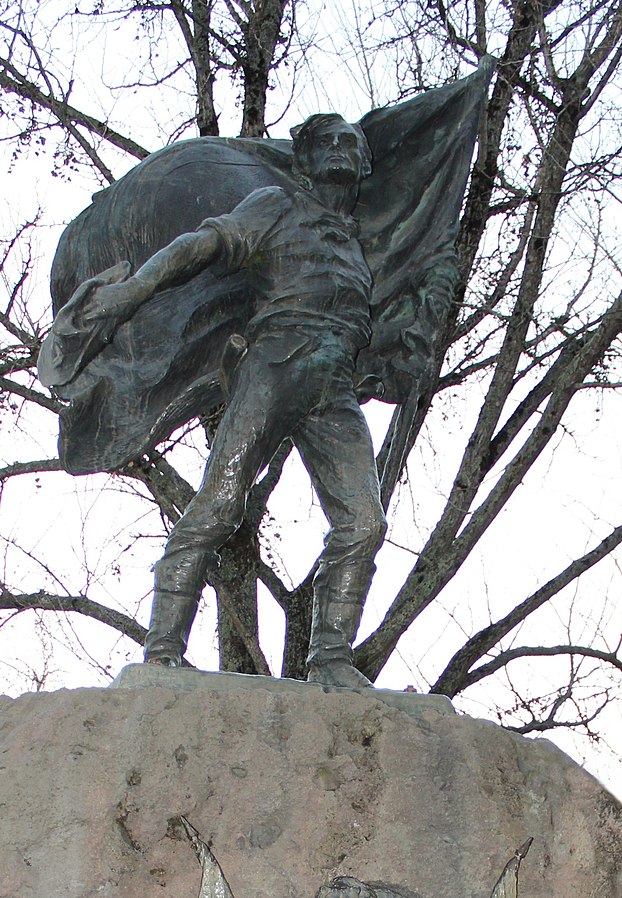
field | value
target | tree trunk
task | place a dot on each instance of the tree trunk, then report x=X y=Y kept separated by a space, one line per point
x=262 y=34
x=236 y=590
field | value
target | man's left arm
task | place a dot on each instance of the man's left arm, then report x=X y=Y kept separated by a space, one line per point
x=432 y=302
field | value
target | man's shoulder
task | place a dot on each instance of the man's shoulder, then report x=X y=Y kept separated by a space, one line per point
x=272 y=193
x=273 y=198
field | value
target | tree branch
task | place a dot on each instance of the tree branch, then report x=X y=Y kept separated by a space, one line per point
x=526 y=651
x=12 y=81
x=44 y=601
x=444 y=551
x=454 y=677
x=40 y=466
x=10 y=386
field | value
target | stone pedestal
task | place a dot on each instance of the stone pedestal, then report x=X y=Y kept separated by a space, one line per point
x=291 y=784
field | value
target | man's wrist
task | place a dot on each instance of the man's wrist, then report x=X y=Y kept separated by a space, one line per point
x=138 y=291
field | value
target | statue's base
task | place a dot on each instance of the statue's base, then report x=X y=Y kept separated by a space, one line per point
x=290 y=784
x=187 y=679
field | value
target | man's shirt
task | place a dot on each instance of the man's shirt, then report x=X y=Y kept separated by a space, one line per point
x=306 y=265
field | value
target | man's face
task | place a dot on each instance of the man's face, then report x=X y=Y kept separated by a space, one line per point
x=335 y=155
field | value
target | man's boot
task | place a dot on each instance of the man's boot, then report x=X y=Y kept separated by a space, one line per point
x=340 y=592
x=178 y=584
x=172 y=615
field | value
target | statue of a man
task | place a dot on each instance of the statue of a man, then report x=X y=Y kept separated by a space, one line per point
x=294 y=379
x=303 y=307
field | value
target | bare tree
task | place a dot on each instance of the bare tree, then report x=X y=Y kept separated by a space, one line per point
x=535 y=323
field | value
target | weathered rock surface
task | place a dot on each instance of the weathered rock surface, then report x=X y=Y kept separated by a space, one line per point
x=291 y=785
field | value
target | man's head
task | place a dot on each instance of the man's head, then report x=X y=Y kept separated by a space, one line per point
x=328 y=149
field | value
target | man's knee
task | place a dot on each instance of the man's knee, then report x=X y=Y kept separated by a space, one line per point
x=371 y=532
x=206 y=540
x=377 y=530
x=209 y=521
x=359 y=541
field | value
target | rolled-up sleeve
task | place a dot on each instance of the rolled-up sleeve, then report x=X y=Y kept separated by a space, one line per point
x=242 y=231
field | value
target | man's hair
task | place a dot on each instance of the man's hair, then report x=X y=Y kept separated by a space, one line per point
x=302 y=137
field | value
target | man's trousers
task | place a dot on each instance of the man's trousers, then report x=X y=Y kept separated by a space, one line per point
x=292 y=382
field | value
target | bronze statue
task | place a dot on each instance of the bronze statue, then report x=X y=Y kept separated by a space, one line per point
x=312 y=317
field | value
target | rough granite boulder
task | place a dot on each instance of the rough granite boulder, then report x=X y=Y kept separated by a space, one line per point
x=291 y=784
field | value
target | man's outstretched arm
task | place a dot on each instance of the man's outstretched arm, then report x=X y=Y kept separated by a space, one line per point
x=175 y=264
x=88 y=322
x=230 y=239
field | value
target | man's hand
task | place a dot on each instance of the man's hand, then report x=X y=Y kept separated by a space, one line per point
x=88 y=322
x=114 y=302
x=113 y=297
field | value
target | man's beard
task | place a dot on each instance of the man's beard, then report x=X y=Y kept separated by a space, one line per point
x=338 y=173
